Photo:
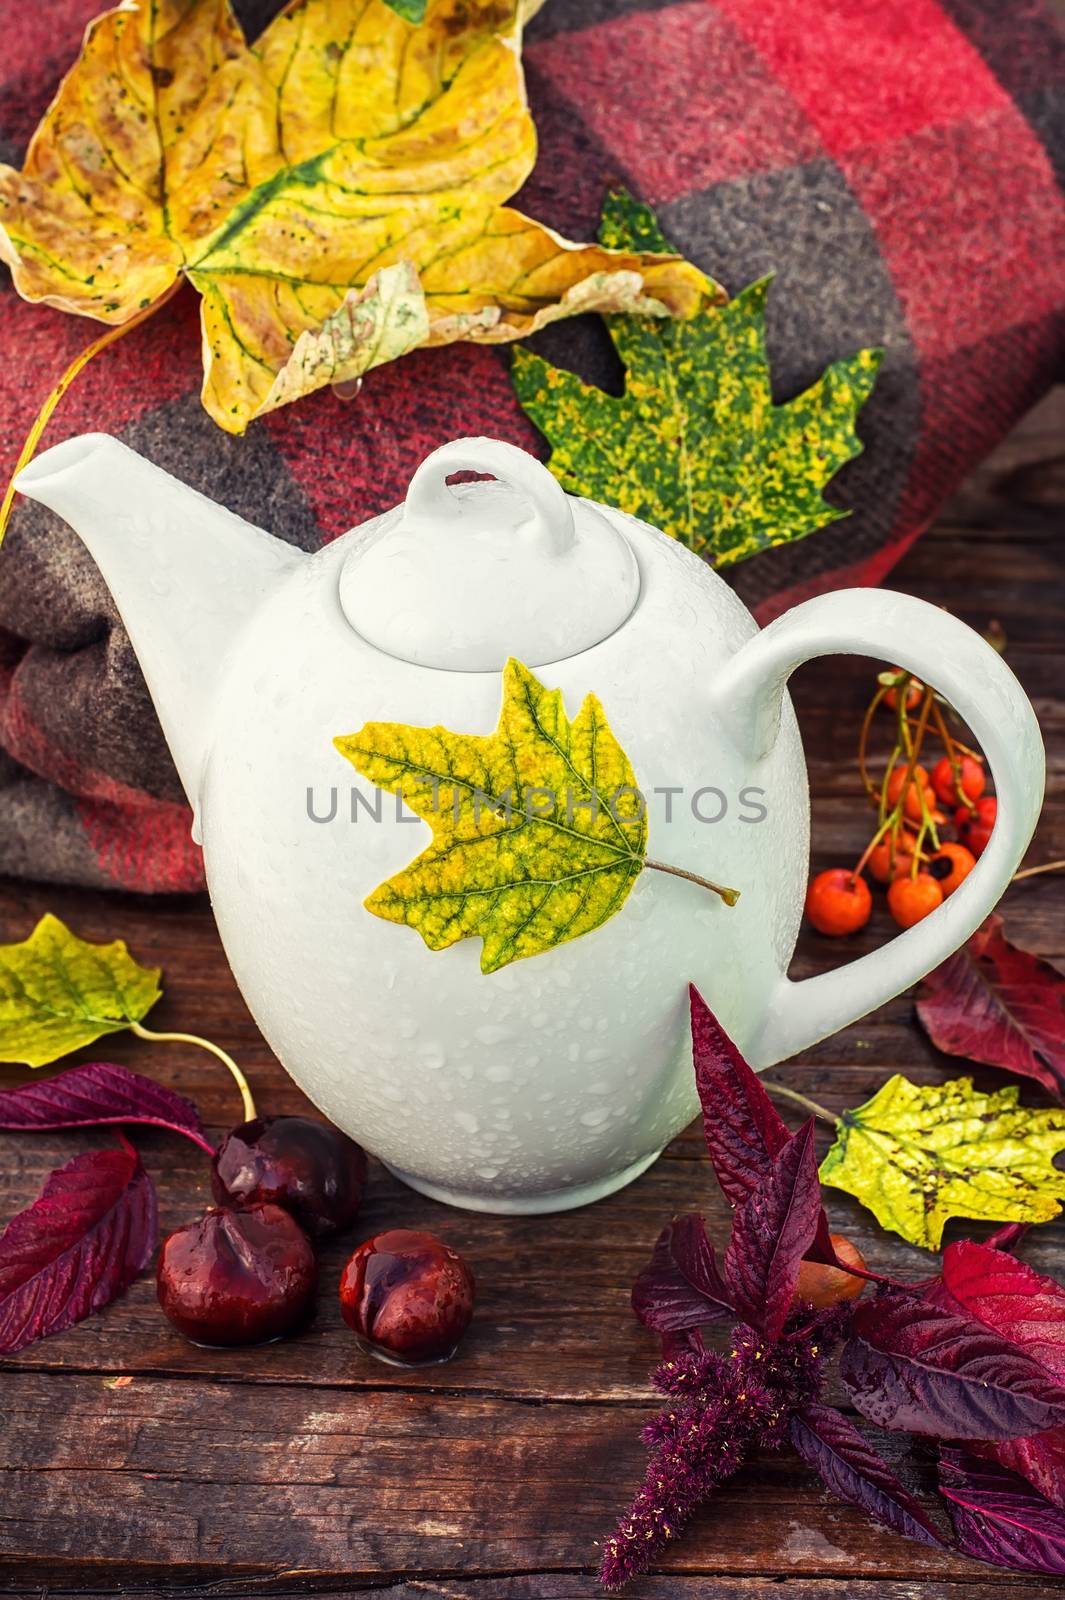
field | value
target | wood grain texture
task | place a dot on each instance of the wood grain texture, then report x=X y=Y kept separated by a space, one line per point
x=303 y=1467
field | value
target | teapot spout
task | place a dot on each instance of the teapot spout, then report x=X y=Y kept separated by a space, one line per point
x=185 y=574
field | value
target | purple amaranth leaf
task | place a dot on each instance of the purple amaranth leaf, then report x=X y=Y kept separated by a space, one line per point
x=99 y=1092
x=1028 y=1309
x=741 y=1125
x=993 y=1002
x=681 y=1286
x=771 y=1232
x=849 y=1466
x=1000 y=1518
x=85 y=1238
x=910 y=1364
x=742 y=1128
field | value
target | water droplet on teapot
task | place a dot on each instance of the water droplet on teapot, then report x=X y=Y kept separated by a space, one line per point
x=432 y=1055
x=595 y=1117
x=492 y=1033
x=467 y=1121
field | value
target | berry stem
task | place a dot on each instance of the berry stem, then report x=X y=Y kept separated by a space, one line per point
x=730 y=896
x=239 y=1079
x=82 y=359
x=951 y=745
x=863 y=739
x=870 y=847
x=782 y=1092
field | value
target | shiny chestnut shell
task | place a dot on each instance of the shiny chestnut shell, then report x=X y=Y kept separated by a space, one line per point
x=237 y=1276
x=305 y=1165
x=407 y=1296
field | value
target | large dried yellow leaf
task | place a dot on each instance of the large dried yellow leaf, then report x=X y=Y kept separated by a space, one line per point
x=336 y=193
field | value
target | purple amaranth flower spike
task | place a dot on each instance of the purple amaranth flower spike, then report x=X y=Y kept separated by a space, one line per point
x=723 y=1409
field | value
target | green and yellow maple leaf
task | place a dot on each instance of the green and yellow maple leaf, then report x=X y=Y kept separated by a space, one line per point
x=335 y=192
x=59 y=992
x=539 y=829
x=917 y=1155
x=695 y=445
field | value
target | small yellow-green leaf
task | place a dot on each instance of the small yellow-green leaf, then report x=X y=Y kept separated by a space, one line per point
x=917 y=1155
x=58 y=992
x=538 y=831
x=695 y=445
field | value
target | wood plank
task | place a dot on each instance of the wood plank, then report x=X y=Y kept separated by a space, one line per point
x=200 y=1479
x=553 y=1317
x=560 y=1586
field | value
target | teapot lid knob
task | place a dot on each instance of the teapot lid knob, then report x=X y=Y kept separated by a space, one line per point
x=469 y=574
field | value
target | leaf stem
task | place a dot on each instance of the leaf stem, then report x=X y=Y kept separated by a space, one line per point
x=239 y=1079
x=730 y=896
x=82 y=359
x=782 y=1092
x=1033 y=872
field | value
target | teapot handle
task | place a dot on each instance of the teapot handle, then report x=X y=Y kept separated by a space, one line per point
x=430 y=501
x=940 y=651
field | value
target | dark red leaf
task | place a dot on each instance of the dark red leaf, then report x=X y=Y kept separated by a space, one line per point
x=1010 y=1297
x=850 y=1467
x=995 y=1003
x=1040 y=1458
x=97 y=1093
x=1028 y=1308
x=742 y=1128
x=84 y=1239
x=999 y=1518
x=914 y=1365
x=771 y=1232
x=681 y=1286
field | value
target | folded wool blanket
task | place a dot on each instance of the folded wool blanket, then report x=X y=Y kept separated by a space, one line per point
x=898 y=164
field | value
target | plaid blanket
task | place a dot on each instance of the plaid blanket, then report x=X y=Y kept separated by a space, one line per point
x=898 y=164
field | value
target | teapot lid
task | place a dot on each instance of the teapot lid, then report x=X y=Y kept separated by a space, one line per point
x=461 y=577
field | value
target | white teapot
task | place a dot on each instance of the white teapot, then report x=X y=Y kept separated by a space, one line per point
x=559 y=1078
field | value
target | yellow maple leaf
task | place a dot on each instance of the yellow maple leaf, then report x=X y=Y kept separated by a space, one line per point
x=335 y=193
x=538 y=830
x=917 y=1155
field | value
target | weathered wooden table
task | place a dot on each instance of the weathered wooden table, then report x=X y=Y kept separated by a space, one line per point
x=303 y=1466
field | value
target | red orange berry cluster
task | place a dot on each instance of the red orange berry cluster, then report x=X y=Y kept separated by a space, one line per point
x=907 y=851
